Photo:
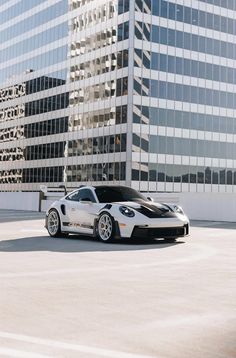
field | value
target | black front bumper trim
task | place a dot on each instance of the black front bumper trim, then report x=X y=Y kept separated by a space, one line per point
x=160 y=232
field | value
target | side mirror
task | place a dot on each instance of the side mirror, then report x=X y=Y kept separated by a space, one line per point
x=150 y=199
x=85 y=201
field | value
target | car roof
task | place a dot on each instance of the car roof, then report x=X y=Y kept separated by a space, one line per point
x=95 y=187
x=110 y=186
x=99 y=186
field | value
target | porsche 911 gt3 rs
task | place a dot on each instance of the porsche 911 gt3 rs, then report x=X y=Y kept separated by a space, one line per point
x=114 y=212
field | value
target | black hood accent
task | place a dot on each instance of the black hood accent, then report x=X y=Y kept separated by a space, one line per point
x=153 y=211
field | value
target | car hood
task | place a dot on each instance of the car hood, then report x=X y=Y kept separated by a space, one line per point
x=149 y=209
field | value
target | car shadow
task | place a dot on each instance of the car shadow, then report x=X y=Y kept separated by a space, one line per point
x=80 y=244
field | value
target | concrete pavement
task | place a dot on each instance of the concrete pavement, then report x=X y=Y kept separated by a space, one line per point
x=80 y=298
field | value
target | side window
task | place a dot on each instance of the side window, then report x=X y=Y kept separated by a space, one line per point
x=87 y=194
x=75 y=196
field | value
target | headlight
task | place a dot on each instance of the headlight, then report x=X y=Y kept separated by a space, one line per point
x=178 y=209
x=126 y=211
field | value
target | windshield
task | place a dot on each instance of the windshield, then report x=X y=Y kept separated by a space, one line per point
x=112 y=194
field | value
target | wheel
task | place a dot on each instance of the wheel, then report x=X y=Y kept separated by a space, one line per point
x=105 y=227
x=53 y=224
x=170 y=239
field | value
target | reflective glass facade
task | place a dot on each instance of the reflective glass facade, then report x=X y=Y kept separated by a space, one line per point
x=63 y=92
x=184 y=96
x=137 y=92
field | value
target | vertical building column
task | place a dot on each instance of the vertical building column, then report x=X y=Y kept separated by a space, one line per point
x=130 y=94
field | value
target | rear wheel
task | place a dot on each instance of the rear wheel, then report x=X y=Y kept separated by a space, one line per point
x=105 y=227
x=54 y=224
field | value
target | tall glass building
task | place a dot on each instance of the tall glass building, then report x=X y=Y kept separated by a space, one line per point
x=136 y=92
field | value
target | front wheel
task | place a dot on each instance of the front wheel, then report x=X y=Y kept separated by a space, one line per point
x=53 y=224
x=105 y=227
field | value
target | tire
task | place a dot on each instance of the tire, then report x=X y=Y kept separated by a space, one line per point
x=105 y=227
x=54 y=224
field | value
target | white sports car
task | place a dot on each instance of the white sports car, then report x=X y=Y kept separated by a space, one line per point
x=114 y=212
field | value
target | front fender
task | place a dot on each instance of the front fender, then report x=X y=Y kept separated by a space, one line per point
x=117 y=234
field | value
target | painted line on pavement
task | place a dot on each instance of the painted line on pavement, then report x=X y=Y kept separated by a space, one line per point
x=21 y=217
x=36 y=230
x=220 y=234
x=13 y=353
x=68 y=346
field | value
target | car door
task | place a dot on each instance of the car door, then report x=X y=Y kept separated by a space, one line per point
x=71 y=208
x=83 y=211
x=86 y=210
